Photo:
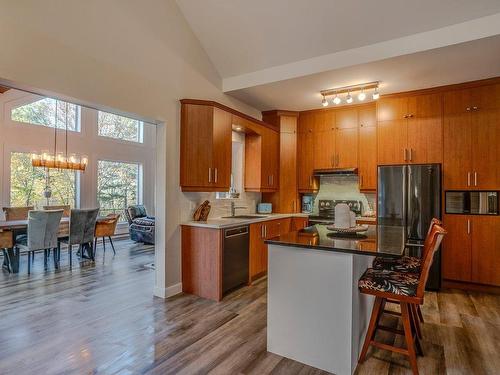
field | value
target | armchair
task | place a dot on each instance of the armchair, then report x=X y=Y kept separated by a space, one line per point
x=141 y=226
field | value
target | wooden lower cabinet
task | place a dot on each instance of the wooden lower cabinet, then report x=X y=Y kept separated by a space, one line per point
x=471 y=249
x=299 y=223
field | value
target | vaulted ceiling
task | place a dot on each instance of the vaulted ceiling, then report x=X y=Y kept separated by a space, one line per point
x=260 y=47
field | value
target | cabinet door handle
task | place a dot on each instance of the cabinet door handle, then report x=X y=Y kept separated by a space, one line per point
x=215 y=174
x=475 y=108
x=265 y=231
x=467 y=109
x=404 y=154
x=262 y=231
x=468 y=226
x=475 y=178
x=310 y=181
x=209 y=174
x=411 y=152
x=468 y=178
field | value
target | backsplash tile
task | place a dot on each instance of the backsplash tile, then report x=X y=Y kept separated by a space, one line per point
x=339 y=187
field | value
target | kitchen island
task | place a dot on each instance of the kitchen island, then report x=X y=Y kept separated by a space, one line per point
x=316 y=314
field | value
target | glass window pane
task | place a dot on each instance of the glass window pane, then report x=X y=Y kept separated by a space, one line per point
x=28 y=184
x=117 y=186
x=43 y=112
x=119 y=127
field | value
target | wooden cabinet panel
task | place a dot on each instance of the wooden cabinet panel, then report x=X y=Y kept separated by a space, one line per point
x=486 y=250
x=346 y=118
x=285 y=225
x=391 y=142
x=253 y=162
x=288 y=200
x=299 y=223
x=222 y=148
x=262 y=161
x=392 y=108
x=202 y=262
x=257 y=251
x=270 y=160
x=485 y=149
x=196 y=146
x=305 y=156
x=324 y=140
x=425 y=140
x=457 y=253
x=456 y=101
x=367 y=157
x=347 y=148
x=457 y=149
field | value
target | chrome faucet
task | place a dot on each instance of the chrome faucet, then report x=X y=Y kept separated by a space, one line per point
x=234 y=208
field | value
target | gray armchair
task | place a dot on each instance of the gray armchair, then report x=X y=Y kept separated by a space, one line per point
x=43 y=227
x=141 y=226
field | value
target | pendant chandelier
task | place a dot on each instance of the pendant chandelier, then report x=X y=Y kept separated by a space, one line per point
x=59 y=160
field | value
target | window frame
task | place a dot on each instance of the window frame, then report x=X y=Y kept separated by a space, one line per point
x=140 y=140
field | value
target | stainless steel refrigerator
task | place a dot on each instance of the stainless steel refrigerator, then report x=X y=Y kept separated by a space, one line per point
x=409 y=196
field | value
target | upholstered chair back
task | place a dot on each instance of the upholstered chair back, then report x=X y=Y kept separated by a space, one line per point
x=82 y=226
x=42 y=229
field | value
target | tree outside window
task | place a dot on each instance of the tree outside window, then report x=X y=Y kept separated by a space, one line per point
x=43 y=112
x=119 y=127
x=27 y=184
x=117 y=186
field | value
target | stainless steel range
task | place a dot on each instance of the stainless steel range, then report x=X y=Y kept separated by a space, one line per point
x=326 y=214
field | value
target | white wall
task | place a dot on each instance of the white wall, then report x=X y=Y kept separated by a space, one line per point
x=135 y=56
x=19 y=137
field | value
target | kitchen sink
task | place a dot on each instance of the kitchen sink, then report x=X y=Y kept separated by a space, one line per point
x=244 y=217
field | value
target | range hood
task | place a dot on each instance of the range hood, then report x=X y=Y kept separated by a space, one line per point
x=335 y=171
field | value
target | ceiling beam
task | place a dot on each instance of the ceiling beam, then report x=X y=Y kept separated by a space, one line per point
x=459 y=33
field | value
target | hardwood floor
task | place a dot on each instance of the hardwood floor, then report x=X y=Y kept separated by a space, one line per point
x=103 y=319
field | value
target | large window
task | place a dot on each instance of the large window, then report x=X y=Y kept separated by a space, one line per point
x=119 y=127
x=48 y=112
x=29 y=186
x=117 y=186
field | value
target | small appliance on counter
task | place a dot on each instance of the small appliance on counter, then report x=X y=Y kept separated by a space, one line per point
x=307 y=204
x=264 y=208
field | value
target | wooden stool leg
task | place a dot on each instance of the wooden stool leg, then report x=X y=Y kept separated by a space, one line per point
x=416 y=320
x=370 y=333
x=420 y=316
x=405 y=314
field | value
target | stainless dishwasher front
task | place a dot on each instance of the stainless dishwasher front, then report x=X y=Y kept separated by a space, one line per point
x=235 y=258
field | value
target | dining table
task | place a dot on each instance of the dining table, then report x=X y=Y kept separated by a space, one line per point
x=10 y=229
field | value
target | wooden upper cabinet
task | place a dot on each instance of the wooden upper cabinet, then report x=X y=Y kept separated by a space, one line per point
x=346 y=138
x=410 y=129
x=205 y=148
x=305 y=154
x=392 y=108
x=392 y=136
x=367 y=148
x=324 y=139
x=471 y=138
x=262 y=161
x=425 y=129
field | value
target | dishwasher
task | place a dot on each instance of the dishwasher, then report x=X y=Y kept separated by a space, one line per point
x=235 y=258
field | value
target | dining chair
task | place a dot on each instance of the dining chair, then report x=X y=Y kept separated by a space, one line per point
x=105 y=227
x=17 y=213
x=66 y=208
x=41 y=234
x=408 y=289
x=6 y=244
x=81 y=232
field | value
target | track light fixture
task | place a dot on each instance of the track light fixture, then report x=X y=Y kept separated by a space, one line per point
x=362 y=88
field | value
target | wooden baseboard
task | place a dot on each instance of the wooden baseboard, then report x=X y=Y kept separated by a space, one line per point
x=451 y=284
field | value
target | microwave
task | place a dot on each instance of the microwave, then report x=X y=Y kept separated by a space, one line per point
x=471 y=202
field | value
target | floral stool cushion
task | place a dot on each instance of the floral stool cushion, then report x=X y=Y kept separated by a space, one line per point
x=400 y=264
x=400 y=283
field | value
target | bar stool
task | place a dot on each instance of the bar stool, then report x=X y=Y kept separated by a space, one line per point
x=406 y=264
x=407 y=288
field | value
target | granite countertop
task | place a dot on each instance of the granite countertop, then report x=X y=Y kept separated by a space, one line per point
x=220 y=223
x=377 y=241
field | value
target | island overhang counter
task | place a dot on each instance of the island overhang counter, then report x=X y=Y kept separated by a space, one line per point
x=315 y=313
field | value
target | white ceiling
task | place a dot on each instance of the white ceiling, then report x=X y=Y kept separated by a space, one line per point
x=454 y=64
x=262 y=47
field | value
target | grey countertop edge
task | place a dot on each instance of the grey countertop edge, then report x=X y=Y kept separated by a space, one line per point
x=221 y=223
x=331 y=249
